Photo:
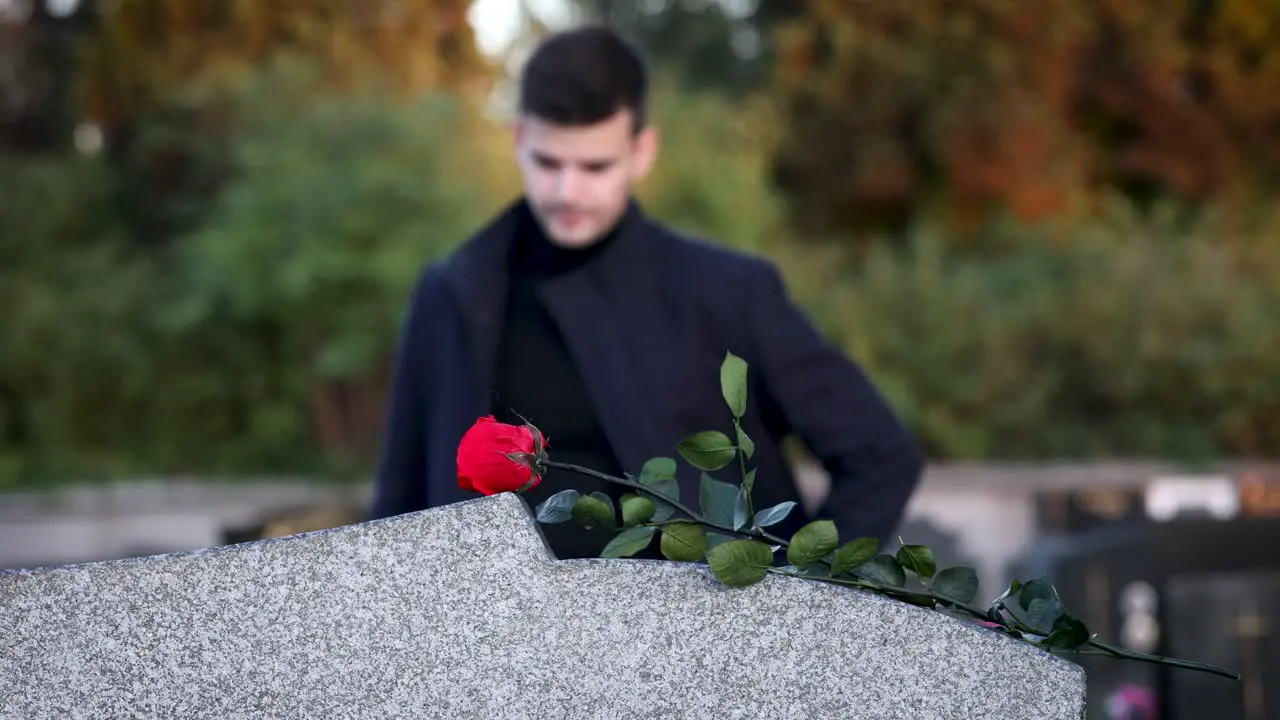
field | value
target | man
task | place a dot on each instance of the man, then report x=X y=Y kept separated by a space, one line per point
x=606 y=329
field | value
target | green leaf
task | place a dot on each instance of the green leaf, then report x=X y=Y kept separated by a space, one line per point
x=956 y=583
x=683 y=541
x=1068 y=633
x=749 y=481
x=741 y=509
x=659 y=468
x=1015 y=587
x=636 y=510
x=733 y=384
x=663 y=511
x=659 y=474
x=918 y=599
x=739 y=563
x=717 y=500
x=883 y=569
x=745 y=443
x=775 y=514
x=1043 y=615
x=918 y=559
x=813 y=542
x=594 y=511
x=708 y=450
x=1038 y=589
x=715 y=539
x=558 y=508
x=629 y=542
x=853 y=554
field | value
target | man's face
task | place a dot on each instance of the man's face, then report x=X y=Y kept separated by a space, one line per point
x=578 y=179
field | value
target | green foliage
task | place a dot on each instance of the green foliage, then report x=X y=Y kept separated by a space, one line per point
x=328 y=222
x=707 y=450
x=594 y=511
x=812 y=543
x=717 y=499
x=684 y=541
x=637 y=509
x=1126 y=335
x=743 y=555
x=629 y=542
x=733 y=384
x=712 y=179
x=853 y=554
x=739 y=563
x=559 y=507
x=72 y=344
x=238 y=347
x=959 y=584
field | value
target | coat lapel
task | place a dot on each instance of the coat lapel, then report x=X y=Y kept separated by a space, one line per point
x=603 y=311
x=477 y=274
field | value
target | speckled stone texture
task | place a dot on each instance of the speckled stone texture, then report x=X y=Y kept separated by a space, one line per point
x=460 y=612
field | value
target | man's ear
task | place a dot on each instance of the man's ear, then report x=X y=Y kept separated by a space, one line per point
x=648 y=142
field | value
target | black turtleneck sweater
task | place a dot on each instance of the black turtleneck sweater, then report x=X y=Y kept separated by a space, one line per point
x=537 y=378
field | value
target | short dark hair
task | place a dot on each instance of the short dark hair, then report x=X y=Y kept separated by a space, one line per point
x=583 y=76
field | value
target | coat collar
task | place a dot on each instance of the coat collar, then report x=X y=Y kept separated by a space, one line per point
x=603 y=309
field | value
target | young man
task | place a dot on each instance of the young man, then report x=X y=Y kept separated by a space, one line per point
x=606 y=329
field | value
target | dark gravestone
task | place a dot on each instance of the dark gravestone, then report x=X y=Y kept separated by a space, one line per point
x=1231 y=620
x=1096 y=547
x=1116 y=569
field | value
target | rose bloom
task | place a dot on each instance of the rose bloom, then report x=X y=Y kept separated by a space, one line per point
x=483 y=462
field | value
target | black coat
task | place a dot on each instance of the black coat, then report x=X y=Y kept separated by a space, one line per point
x=649 y=323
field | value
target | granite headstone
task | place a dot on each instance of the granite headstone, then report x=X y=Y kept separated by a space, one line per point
x=461 y=612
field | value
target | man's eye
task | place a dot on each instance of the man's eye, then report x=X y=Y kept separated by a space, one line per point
x=597 y=168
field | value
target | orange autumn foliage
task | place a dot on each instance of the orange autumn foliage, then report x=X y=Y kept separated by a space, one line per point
x=978 y=108
x=144 y=51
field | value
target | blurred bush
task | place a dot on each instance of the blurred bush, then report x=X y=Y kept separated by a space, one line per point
x=256 y=342
x=313 y=247
x=74 y=293
x=1140 y=336
x=219 y=293
x=712 y=175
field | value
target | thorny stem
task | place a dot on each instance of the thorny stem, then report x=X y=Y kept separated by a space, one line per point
x=1013 y=623
x=693 y=515
x=742 y=463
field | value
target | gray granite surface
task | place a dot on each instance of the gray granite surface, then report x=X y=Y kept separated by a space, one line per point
x=460 y=612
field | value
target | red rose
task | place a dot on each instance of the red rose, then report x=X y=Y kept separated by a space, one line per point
x=484 y=457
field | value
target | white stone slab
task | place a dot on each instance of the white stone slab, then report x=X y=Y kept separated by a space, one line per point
x=460 y=612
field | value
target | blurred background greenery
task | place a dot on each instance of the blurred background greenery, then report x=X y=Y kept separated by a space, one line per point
x=1046 y=229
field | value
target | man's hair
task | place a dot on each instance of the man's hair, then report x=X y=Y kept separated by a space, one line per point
x=583 y=76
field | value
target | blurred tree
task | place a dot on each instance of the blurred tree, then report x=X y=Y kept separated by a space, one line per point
x=313 y=244
x=156 y=77
x=719 y=45
x=979 y=108
x=258 y=342
x=1185 y=98
x=145 y=51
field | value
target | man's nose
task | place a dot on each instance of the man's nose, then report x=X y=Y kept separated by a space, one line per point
x=568 y=185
